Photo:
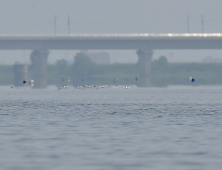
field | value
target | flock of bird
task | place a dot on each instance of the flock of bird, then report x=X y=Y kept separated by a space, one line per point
x=31 y=83
x=192 y=80
x=92 y=86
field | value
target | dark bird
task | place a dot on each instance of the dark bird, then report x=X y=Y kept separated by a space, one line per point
x=63 y=87
x=24 y=82
x=100 y=87
x=192 y=79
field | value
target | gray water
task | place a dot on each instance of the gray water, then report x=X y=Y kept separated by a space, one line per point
x=124 y=129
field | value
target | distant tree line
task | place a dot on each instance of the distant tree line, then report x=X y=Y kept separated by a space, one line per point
x=6 y=75
x=164 y=73
x=83 y=71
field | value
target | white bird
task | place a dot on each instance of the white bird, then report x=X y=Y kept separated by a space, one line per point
x=127 y=87
x=100 y=87
x=78 y=87
x=63 y=87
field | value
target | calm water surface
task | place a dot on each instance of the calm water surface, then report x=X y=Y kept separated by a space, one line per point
x=150 y=128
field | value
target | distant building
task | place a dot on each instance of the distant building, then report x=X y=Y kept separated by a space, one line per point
x=98 y=57
x=212 y=60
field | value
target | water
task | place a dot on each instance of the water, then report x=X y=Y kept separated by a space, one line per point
x=156 y=128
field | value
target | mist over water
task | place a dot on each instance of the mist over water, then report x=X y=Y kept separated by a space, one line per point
x=178 y=127
x=160 y=128
x=109 y=17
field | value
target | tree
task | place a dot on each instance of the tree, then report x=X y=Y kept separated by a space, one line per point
x=82 y=69
x=162 y=61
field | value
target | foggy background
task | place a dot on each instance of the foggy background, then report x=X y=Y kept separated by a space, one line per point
x=110 y=16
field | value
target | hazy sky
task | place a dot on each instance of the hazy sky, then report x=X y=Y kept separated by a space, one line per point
x=109 y=16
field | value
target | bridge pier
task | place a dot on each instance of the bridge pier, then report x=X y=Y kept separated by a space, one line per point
x=144 y=64
x=39 y=67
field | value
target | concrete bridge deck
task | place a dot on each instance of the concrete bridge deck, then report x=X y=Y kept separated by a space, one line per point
x=111 y=41
x=144 y=43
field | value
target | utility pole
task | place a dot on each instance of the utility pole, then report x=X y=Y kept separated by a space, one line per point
x=188 y=24
x=68 y=25
x=202 y=24
x=55 y=18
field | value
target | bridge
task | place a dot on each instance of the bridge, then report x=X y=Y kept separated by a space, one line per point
x=143 y=43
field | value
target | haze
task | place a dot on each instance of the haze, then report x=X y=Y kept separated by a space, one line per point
x=100 y=16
